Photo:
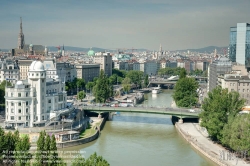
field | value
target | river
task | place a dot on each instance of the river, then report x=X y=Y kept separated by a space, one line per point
x=132 y=139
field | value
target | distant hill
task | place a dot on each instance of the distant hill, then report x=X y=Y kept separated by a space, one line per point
x=4 y=50
x=77 y=49
x=209 y=49
x=96 y=49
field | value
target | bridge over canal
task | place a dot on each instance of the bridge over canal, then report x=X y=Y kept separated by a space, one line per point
x=178 y=112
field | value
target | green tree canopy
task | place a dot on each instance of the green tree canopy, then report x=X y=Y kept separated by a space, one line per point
x=103 y=89
x=2 y=90
x=93 y=160
x=218 y=107
x=196 y=72
x=169 y=71
x=183 y=73
x=126 y=84
x=80 y=83
x=22 y=154
x=135 y=76
x=81 y=95
x=185 y=92
x=146 y=82
x=236 y=133
x=119 y=73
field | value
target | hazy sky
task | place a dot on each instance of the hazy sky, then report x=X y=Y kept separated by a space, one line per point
x=176 y=24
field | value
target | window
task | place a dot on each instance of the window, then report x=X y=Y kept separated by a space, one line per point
x=19 y=94
x=11 y=94
x=12 y=110
x=19 y=104
x=36 y=74
x=7 y=110
x=12 y=104
x=232 y=90
x=19 y=117
x=27 y=117
x=19 y=111
x=27 y=94
x=27 y=103
x=12 y=118
x=49 y=101
x=243 y=89
x=27 y=110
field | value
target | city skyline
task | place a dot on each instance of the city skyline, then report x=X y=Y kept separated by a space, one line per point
x=122 y=24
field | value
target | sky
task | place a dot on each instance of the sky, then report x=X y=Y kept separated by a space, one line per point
x=113 y=24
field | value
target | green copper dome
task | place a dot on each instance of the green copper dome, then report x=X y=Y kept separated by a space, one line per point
x=91 y=52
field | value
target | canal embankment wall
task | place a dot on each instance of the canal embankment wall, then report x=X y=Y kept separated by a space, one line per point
x=197 y=146
x=84 y=140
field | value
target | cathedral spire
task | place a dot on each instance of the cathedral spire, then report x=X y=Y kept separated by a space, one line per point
x=20 y=44
x=21 y=26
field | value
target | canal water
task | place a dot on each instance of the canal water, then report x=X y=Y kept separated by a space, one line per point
x=132 y=139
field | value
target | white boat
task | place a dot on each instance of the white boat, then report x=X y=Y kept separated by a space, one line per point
x=156 y=90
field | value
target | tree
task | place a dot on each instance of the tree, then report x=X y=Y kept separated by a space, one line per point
x=185 y=92
x=22 y=154
x=119 y=73
x=53 y=155
x=78 y=161
x=81 y=95
x=236 y=133
x=126 y=84
x=90 y=85
x=46 y=153
x=218 y=107
x=183 y=73
x=102 y=89
x=2 y=143
x=2 y=90
x=113 y=79
x=40 y=158
x=135 y=77
x=93 y=160
x=146 y=82
x=80 y=83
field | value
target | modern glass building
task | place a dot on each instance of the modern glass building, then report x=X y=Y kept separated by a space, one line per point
x=239 y=47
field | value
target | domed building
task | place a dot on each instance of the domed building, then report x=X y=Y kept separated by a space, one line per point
x=35 y=101
x=91 y=52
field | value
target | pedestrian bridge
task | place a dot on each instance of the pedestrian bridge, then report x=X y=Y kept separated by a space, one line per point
x=178 y=112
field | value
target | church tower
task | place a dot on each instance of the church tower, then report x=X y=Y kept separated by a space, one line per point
x=63 y=51
x=20 y=43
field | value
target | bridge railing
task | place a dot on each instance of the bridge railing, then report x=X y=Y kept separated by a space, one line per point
x=143 y=108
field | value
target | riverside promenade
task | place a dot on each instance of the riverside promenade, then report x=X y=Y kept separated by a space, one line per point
x=198 y=138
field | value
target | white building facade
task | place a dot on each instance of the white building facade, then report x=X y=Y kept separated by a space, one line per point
x=33 y=102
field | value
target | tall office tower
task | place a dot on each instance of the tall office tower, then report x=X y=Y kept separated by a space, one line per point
x=21 y=43
x=239 y=47
x=218 y=67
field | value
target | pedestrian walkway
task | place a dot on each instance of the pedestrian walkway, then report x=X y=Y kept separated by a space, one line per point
x=190 y=130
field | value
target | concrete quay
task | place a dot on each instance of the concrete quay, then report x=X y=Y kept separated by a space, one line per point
x=193 y=133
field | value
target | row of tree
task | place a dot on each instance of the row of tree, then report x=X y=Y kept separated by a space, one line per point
x=221 y=118
x=176 y=71
x=15 y=150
